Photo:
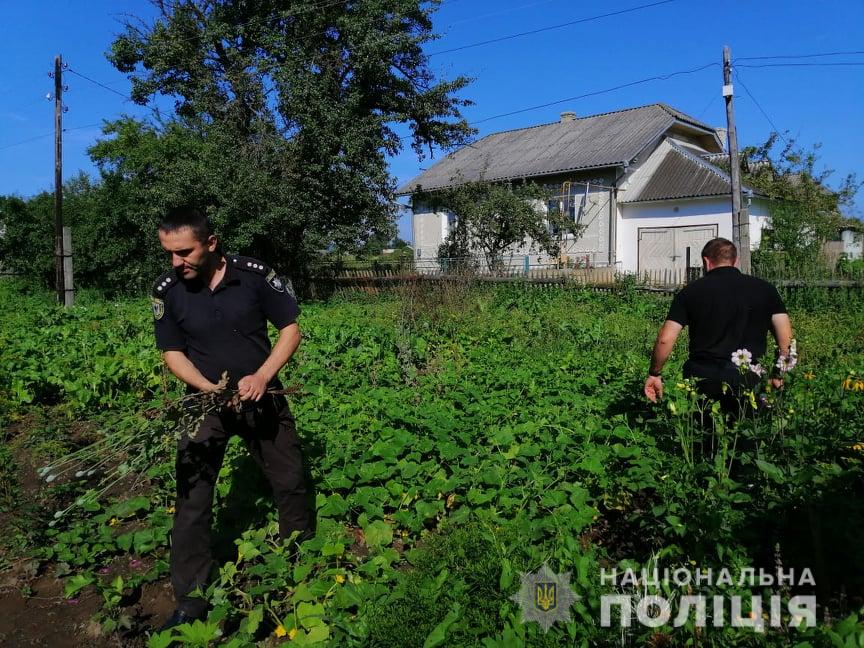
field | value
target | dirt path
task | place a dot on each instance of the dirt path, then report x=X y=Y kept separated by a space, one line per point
x=33 y=610
x=45 y=618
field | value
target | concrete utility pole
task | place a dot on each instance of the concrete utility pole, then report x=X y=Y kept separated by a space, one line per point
x=62 y=235
x=740 y=215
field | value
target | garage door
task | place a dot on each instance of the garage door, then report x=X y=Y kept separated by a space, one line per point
x=665 y=248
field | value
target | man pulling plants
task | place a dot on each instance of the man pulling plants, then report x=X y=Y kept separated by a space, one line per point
x=728 y=313
x=210 y=313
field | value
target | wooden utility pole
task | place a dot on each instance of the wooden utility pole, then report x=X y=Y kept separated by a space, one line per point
x=62 y=249
x=740 y=215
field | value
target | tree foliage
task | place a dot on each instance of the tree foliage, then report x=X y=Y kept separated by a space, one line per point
x=27 y=244
x=285 y=114
x=27 y=241
x=492 y=218
x=805 y=211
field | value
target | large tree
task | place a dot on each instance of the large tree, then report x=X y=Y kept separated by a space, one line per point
x=293 y=108
x=805 y=211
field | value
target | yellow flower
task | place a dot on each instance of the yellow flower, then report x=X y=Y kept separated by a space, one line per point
x=847 y=384
x=340 y=578
x=292 y=633
x=809 y=375
x=280 y=631
x=859 y=447
x=858 y=386
x=170 y=509
x=114 y=522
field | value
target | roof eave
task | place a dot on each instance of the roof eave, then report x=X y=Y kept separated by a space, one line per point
x=612 y=165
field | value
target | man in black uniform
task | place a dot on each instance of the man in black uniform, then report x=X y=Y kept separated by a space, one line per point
x=726 y=311
x=211 y=312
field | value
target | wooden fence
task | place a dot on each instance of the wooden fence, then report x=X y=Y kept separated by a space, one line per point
x=370 y=280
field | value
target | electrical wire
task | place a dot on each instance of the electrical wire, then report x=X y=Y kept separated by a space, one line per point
x=549 y=28
x=74 y=128
x=762 y=110
x=795 y=56
x=659 y=77
x=707 y=106
x=491 y=14
x=44 y=135
x=31 y=139
x=101 y=85
x=768 y=65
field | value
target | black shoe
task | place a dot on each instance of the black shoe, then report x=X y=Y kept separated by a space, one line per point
x=178 y=618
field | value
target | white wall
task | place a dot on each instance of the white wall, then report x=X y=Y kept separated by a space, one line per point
x=667 y=213
x=430 y=230
x=853 y=244
x=677 y=213
x=759 y=219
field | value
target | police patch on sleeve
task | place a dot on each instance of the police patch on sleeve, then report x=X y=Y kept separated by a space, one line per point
x=275 y=282
x=158 y=308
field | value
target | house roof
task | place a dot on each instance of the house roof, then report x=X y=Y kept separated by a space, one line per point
x=675 y=171
x=593 y=142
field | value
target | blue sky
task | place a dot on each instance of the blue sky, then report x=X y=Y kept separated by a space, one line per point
x=816 y=104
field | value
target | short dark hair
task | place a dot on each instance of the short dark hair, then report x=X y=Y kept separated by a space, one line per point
x=187 y=216
x=720 y=250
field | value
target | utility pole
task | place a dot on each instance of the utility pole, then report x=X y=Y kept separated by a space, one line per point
x=62 y=235
x=740 y=215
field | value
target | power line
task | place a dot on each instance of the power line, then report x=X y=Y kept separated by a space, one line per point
x=714 y=96
x=549 y=28
x=659 y=77
x=795 y=56
x=41 y=99
x=38 y=137
x=767 y=65
x=497 y=13
x=31 y=139
x=762 y=110
x=101 y=85
x=82 y=127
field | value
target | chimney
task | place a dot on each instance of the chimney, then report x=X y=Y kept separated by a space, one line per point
x=568 y=115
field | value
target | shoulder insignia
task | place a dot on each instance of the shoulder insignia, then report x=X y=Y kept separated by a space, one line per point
x=158 y=307
x=165 y=283
x=249 y=264
x=275 y=282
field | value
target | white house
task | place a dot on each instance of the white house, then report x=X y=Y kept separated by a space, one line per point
x=640 y=181
x=853 y=243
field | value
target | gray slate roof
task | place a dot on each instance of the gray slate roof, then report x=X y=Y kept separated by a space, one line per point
x=682 y=174
x=593 y=142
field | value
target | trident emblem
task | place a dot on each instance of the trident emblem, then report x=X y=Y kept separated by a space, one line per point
x=545 y=596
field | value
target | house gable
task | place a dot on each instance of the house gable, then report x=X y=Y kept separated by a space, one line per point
x=675 y=171
x=595 y=142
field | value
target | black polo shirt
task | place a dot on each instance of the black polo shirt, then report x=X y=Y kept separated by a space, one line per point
x=224 y=329
x=726 y=311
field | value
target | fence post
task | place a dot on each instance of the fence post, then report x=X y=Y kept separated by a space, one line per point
x=527 y=264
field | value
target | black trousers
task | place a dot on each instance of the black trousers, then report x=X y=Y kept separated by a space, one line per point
x=723 y=382
x=271 y=438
